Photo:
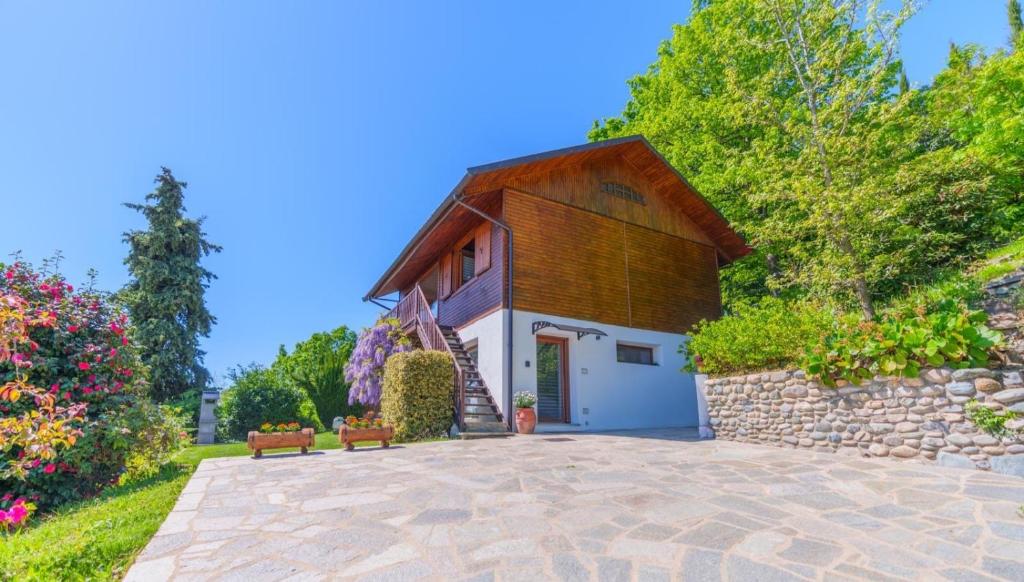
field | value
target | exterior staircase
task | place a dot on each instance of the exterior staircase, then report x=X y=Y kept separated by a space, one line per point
x=476 y=413
x=481 y=415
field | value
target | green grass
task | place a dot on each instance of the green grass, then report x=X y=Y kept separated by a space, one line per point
x=98 y=539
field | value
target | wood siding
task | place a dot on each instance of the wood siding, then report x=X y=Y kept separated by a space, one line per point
x=577 y=263
x=580 y=186
x=481 y=294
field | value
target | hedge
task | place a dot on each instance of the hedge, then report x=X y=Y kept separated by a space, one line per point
x=417 y=394
x=771 y=335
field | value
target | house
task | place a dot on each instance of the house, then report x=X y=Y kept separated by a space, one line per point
x=573 y=274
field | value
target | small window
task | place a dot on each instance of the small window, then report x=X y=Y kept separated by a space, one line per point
x=467 y=262
x=622 y=191
x=635 y=354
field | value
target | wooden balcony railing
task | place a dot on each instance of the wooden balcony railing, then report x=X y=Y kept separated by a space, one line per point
x=414 y=314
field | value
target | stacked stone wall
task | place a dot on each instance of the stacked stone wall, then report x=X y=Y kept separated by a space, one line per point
x=920 y=419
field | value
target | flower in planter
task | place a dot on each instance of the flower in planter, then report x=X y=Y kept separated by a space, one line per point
x=524 y=399
x=294 y=427
x=282 y=427
x=266 y=427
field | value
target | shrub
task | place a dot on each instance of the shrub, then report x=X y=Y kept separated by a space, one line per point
x=257 y=396
x=365 y=369
x=770 y=335
x=417 y=397
x=903 y=340
x=74 y=416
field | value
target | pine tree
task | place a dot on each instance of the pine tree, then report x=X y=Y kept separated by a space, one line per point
x=1016 y=24
x=904 y=82
x=165 y=296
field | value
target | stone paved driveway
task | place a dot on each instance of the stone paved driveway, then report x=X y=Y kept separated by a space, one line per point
x=640 y=506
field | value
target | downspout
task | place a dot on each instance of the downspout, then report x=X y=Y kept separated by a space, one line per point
x=509 y=413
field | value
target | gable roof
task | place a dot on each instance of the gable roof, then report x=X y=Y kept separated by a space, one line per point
x=635 y=149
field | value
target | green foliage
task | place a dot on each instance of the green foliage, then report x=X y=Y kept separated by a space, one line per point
x=902 y=341
x=417 y=394
x=988 y=420
x=769 y=335
x=165 y=297
x=257 y=395
x=789 y=117
x=317 y=366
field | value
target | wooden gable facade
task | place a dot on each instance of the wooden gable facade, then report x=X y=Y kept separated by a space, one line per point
x=604 y=234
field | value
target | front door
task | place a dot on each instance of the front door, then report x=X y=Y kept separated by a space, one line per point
x=552 y=379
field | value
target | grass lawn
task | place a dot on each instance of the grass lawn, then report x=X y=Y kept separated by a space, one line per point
x=98 y=539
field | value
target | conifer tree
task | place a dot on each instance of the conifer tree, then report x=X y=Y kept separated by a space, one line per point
x=904 y=82
x=165 y=297
x=1016 y=24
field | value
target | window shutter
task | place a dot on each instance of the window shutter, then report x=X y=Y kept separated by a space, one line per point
x=444 y=284
x=483 y=248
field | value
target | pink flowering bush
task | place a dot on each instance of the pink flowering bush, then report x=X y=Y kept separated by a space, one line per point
x=365 y=368
x=73 y=412
x=14 y=514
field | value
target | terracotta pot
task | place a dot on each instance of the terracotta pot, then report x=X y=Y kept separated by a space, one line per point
x=348 y=435
x=258 y=441
x=526 y=420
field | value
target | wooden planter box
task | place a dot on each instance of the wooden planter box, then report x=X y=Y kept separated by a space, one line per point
x=258 y=441
x=348 y=435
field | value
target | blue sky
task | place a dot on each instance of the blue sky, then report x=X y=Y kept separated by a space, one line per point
x=315 y=136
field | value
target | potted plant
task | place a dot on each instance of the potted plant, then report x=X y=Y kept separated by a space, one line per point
x=280 y=436
x=526 y=416
x=367 y=428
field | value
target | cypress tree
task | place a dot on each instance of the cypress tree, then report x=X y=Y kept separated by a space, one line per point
x=904 y=82
x=1016 y=25
x=165 y=297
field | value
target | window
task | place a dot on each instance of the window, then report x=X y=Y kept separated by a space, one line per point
x=635 y=354
x=467 y=262
x=622 y=191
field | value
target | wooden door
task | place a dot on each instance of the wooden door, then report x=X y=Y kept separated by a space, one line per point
x=552 y=379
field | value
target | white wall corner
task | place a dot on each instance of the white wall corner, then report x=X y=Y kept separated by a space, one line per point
x=704 y=429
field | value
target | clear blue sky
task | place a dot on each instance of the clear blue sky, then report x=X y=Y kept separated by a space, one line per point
x=316 y=136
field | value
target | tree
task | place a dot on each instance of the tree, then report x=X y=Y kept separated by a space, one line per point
x=1016 y=25
x=904 y=82
x=165 y=297
x=785 y=115
x=317 y=366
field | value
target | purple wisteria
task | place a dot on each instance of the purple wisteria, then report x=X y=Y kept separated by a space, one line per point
x=365 y=369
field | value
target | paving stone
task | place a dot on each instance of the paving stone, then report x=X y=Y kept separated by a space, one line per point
x=701 y=566
x=811 y=552
x=1004 y=569
x=612 y=570
x=740 y=568
x=568 y=567
x=713 y=535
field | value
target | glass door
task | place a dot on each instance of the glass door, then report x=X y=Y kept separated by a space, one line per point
x=552 y=380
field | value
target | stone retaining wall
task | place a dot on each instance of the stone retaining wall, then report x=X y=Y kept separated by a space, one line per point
x=905 y=418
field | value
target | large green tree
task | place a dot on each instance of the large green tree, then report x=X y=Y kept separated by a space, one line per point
x=166 y=296
x=317 y=366
x=789 y=116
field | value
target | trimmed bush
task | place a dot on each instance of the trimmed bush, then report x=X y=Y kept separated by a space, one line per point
x=771 y=335
x=257 y=396
x=417 y=396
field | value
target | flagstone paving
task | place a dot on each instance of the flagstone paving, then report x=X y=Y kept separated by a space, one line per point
x=627 y=506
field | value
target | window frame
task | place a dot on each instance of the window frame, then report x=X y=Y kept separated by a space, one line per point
x=652 y=350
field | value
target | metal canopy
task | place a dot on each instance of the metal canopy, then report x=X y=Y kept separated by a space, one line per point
x=579 y=331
